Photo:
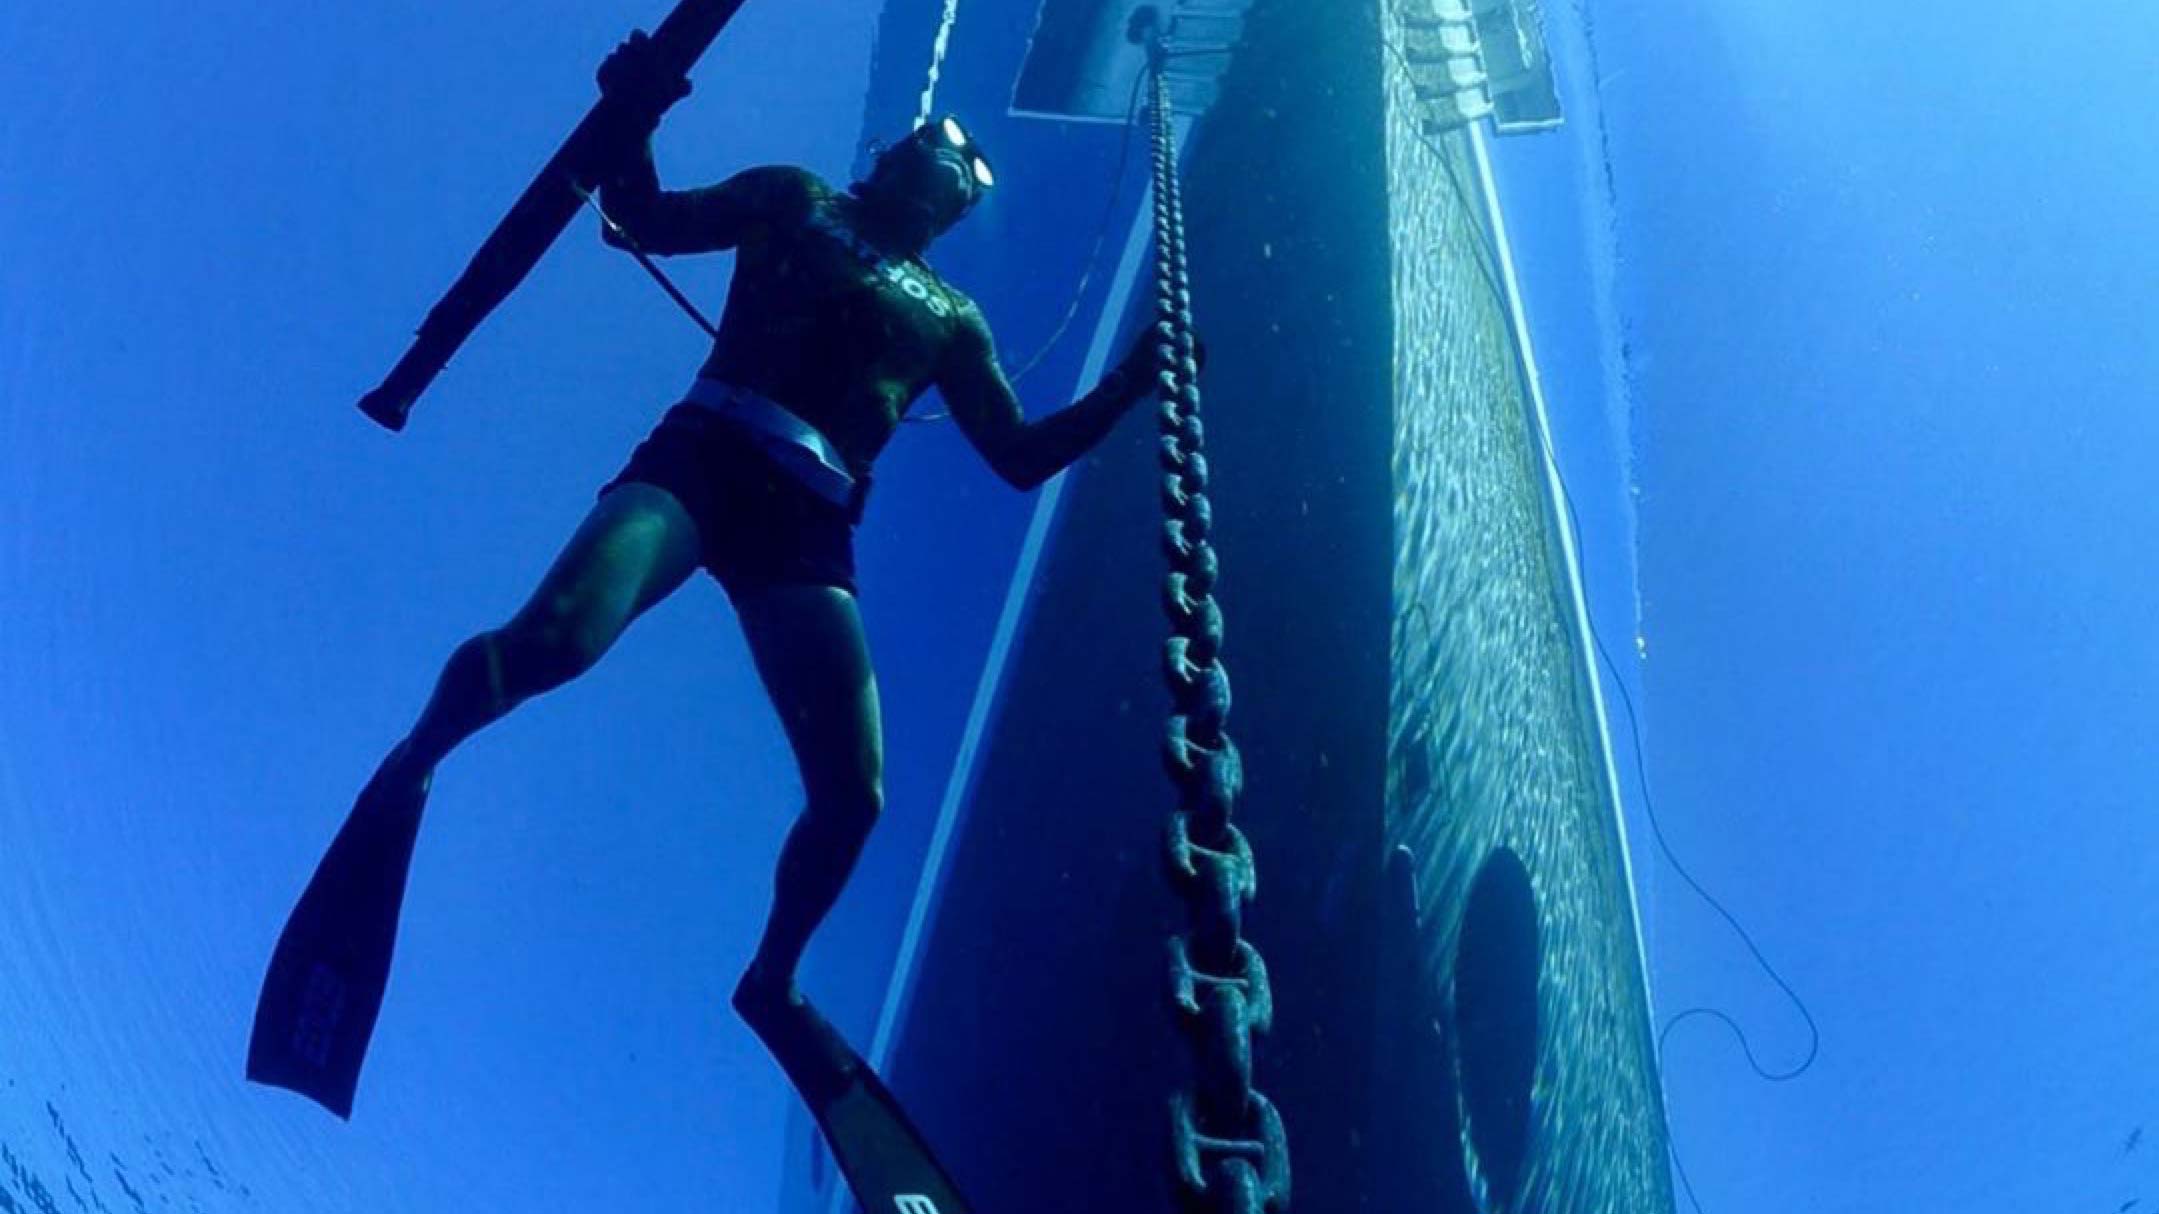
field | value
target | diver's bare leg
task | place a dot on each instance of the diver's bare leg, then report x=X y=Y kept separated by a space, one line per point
x=811 y=653
x=634 y=548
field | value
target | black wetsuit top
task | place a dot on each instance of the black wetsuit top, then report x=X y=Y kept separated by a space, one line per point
x=817 y=318
x=846 y=334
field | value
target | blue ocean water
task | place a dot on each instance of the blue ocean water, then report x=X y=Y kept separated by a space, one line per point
x=1886 y=291
x=1869 y=336
x=228 y=593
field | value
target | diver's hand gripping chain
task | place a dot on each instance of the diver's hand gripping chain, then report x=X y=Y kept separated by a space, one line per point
x=1231 y=1154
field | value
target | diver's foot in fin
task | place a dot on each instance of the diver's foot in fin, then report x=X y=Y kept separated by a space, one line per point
x=767 y=992
x=326 y=977
x=887 y=1162
x=766 y=997
x=816 y=1058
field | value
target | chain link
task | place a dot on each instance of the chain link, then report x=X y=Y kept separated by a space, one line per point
x=1230 y=1152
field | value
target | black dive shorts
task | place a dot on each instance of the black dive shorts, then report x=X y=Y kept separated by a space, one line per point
x=756 y=524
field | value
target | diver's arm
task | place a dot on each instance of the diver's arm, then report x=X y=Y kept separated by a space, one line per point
x=1025 y=453
x=699 y=220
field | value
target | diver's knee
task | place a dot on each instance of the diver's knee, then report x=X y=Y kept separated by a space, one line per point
x=538 y=654
x=477 y=666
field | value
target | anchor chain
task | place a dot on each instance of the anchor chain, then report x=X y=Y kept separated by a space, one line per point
x=1229 y=1150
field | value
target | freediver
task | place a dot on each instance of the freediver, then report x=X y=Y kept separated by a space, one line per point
x=834 y=324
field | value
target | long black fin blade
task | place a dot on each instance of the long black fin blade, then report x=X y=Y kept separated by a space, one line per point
x=325 y=983
x=886 y=1160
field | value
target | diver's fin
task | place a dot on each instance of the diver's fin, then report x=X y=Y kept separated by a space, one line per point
x=326 y=978
x=884 y=1157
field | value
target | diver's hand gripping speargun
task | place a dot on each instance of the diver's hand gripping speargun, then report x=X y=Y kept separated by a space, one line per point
x=542 y=212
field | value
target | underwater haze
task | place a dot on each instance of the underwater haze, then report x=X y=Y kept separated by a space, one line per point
x=226 y=593
x=1889 y=278
x=1858 y=383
